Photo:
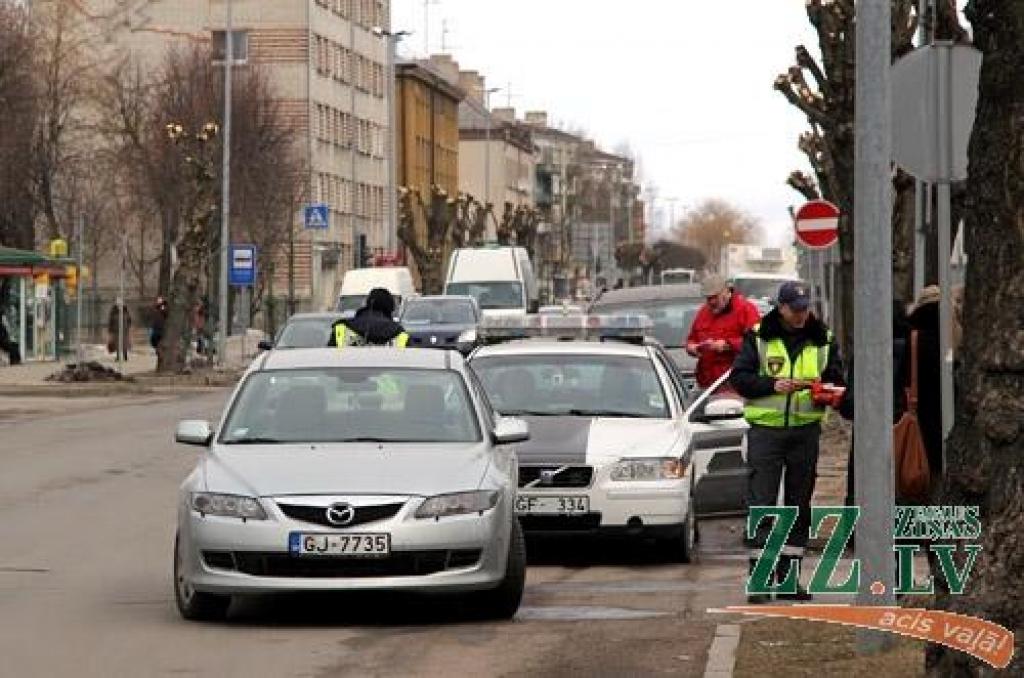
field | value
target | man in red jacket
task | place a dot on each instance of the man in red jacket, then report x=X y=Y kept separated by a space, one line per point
x=716 y=335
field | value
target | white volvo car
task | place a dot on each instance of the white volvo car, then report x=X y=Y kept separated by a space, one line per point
x=617 y=443
x=361 y=469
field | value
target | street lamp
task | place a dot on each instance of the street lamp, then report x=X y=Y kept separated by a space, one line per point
x=393 y=39
x=225 y=210
x=487 y=146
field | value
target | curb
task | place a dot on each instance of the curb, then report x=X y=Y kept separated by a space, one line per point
x=722 y=654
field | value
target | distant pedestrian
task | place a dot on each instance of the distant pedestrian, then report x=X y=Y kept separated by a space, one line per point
x=199 y=313
x=119 y=315
x=156 y=333
x=716 y=334
x=7 y=345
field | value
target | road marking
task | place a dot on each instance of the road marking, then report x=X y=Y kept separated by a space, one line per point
x=722 y=654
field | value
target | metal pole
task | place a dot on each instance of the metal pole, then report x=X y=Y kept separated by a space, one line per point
x=392 y=88
x=225 y=209
x=872 y=312
x=922 y=190
x=945 y=148
x=80 y=350
x=487 y=149
x=356 y=263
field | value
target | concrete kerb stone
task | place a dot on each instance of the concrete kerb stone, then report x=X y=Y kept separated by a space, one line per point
x=722 y=654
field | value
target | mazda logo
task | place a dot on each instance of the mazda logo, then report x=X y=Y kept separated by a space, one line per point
x=341 y=514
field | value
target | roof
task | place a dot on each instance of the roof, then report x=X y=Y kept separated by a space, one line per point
x=650 y=293
x=383 y=357
x=26 y=262
x=430 y=77
x=550 y=346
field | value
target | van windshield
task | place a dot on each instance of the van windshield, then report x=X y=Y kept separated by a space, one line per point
x=758 y=288
x=491 y=295
x=348 y=303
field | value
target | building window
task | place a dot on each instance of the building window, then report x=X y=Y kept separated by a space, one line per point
x=239 y=45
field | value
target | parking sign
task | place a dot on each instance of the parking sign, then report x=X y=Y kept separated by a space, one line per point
x=242 y=265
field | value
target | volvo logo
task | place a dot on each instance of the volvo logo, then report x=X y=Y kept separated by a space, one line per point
x=341 y=514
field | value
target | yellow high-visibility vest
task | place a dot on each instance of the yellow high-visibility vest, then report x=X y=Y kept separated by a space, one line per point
x=780 y=409
x=343 y=338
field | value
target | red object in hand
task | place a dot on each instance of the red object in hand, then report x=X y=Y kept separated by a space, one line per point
x=827 y=394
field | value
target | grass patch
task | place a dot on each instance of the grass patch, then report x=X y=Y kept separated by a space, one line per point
x=790 y=647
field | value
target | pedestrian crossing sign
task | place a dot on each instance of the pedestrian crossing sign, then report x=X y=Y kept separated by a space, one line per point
x=317 y=217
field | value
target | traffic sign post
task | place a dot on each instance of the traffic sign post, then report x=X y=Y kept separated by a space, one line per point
x=242 y=274
x=317 y=217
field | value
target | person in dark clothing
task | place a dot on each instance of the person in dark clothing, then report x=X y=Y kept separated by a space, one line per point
x=7 y=345
x=156 y=333
x=372 y=324
x=779 y=359
x=900 y=335
x=119 y=315
x=924 y=319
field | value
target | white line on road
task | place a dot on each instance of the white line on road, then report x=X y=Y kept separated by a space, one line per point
x=722 y=655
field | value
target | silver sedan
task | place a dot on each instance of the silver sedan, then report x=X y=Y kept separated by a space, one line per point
x=362 y=469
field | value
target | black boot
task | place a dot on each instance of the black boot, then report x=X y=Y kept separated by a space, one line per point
x=756 y=598
x=782 y=570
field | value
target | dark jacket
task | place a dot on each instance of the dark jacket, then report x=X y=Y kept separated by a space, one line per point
x=373 y=326
x=746 y=375
x=925 y=319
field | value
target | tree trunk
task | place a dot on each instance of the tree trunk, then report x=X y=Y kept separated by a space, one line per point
x=903 y=217
x=986 y=449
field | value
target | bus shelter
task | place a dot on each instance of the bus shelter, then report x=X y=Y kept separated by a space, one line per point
x=33 y=288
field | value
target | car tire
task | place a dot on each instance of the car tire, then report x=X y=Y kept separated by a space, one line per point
x=502 y=602
x=683 y=548
x=195 y=605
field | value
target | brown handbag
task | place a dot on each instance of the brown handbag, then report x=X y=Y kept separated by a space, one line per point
x=911 y=458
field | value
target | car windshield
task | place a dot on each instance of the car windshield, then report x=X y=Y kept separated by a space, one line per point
x=672 y=318
x=350 y=302
x=759 y=288
x=573 y=385
x=352 y=405
x=490 y=295
x=439 y=312
x=305 y=333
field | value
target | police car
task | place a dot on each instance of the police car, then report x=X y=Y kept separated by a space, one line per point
x=618 y=444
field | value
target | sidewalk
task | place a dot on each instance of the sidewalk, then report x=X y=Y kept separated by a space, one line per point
x=29 y=378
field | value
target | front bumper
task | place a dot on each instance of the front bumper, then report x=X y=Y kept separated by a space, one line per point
x=453 y=554
x=636 y=509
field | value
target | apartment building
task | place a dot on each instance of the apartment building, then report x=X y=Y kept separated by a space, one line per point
x=328 y=69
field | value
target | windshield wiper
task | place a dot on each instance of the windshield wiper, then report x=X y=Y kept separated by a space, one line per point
x=603 y=413
x=255 y=440
x=529 y=413
x=366 y=439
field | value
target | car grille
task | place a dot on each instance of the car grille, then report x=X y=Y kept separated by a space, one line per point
x=318 y=514
x=582 y=523
x=424 y=340
x=398 y=564
x=573 y=476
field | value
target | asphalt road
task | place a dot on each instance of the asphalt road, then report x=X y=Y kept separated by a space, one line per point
x=87 y=516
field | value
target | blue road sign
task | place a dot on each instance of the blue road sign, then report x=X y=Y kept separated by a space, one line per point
x=317 y=216
x=242 y=265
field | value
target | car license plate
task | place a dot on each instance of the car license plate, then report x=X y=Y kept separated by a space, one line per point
x=552 y=505
x=319 y=544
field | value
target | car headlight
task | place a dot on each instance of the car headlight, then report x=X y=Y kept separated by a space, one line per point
x=666 y=468
x=457 y=504
x=229 y=505
x=467 y=337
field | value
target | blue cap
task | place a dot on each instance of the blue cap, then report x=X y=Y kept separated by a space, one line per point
x=795 y=295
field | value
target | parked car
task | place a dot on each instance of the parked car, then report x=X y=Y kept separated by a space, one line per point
x=671 y=308
x=372 y=470
x=358 y=282
x=303 y=330
x=442 y=322
x=501 y=279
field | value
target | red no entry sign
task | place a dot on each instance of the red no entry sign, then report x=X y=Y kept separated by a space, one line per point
x=817 y=224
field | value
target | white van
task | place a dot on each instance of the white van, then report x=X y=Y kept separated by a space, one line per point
x=500 y=278
x=358 y=282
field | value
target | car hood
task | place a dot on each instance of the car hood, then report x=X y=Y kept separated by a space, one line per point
x=582 y=440
x=439 y=329
x=350 y=468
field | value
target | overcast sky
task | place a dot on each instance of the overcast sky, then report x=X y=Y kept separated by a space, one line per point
x=686 y=83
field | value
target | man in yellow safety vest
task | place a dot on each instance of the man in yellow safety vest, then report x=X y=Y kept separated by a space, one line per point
x=372 y=325
x=779 y=360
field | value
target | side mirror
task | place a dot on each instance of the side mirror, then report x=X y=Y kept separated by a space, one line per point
x=193 y=432
x=722 y=409
x=265 y=345
x=510 y=430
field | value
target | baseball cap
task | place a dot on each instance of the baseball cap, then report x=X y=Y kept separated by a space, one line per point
x=795 y=295
x=713 y=284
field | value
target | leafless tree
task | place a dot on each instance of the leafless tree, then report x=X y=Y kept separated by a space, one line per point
x=712 y=225
x=18 y=112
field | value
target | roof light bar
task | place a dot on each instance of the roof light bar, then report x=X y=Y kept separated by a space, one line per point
x=624 y=327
